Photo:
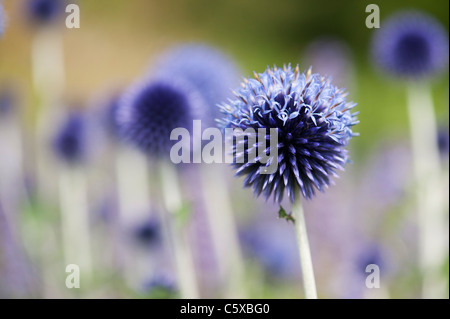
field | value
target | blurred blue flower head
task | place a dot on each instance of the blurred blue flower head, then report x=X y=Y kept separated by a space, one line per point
x=149 y=111
x=411 y=44
x=207 y=69
x=148 y=233
x=6 y=100
x=443 y=141
x=370 y=254
x=160 y=286
x=314 y=123
x=45 y=11
x=273 y=246
x=70 y=143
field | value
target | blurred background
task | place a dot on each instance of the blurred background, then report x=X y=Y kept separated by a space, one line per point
x=368 y=217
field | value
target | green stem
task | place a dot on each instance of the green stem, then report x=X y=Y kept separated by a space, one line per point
x=309 y=283
x=178 y=240
x=429 y=194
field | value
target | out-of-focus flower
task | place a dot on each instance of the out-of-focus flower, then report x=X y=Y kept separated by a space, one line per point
x=273 y=245
x=330 y=57
x=70 y=143
x=6 y=100
x=160 y=286
x=207 y=69
x=411 y=44
x=147 y=233
x=149 y=111
x=314 y=124
x=45 y=11
x=369 y=254
x=443 y=141
x=380 y=192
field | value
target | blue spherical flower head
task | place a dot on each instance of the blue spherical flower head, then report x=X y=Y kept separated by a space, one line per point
x=148 y=233
x=411 y=44
x=70 y=141
x=370 y=254
x=45 y=11
x=160 y=287
x=443 y=141
x=149 y=111
x=6 y=100
x=314 y=125
x=208 y=70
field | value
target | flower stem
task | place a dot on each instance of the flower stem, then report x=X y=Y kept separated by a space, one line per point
x=177 y=238
x=75 y=218
x=48 y=76
x=133 y=190
x=223 y=231
x=429 y=195
x=309 y=283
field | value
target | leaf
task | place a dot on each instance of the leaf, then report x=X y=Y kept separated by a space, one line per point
x=282 y=214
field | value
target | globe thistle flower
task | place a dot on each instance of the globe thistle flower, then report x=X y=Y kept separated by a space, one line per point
x=149 y=111
x=411 y=44
x=160 y=287
x=148 y=233
x=314 y=124
x=370 y=254
x=69 y=143
x=273 y=246
x=443 y=141
x=6 y=100
x=45 y=11
x=207 y=69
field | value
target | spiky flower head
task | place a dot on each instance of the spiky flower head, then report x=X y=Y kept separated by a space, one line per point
x=411 y=44
x=45 y=11
x=70 y=143
x=314 y=125
x=206 y=68
x=149 y=111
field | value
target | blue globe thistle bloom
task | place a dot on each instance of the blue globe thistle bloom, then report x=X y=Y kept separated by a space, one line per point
x=443 y=141
x=6 y=100
x=160 y=286
x=70 y=142
x=273 y=246
x=370 y=254
x=314 y=125
x=149 y=111
x=45 y=11
x=411 y=44
x=207 y=69
x=148 y=233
